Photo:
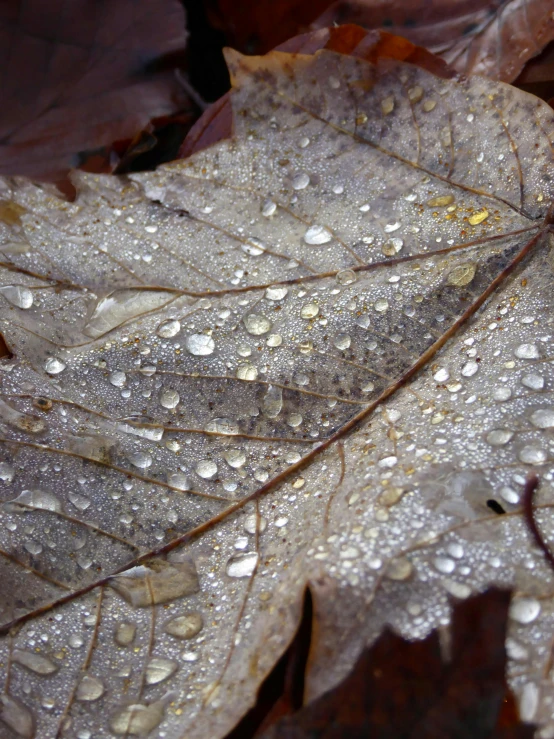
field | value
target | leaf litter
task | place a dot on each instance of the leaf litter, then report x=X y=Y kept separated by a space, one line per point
x=318 y=352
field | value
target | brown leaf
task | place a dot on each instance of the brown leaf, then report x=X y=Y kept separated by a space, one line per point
x=446 y=686
x=77 y=76
x=493 y=39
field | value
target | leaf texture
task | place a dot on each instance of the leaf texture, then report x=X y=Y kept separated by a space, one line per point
x=311 y=353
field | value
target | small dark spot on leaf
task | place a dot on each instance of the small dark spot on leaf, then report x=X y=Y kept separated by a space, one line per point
x=495 y=506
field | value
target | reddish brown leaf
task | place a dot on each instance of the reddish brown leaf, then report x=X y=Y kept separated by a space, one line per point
x=494 y=39
x=78 y=76
x=445 y=687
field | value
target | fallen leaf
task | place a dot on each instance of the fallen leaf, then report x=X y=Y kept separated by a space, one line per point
x=318 y=354
x=78 y=76
x=495 y=38
x=449 y=685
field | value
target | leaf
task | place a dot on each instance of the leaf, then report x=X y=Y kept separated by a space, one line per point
x=317 y=353
x=78 y=77
x=495 y=39
x=451 y=686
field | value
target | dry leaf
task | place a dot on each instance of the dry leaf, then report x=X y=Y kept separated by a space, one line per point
x=79 y=76
x=319 y=351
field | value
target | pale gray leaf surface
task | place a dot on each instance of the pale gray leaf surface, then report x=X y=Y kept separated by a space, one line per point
x=309 y=354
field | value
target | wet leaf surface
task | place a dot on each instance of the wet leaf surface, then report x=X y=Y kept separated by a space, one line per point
x=312 y=353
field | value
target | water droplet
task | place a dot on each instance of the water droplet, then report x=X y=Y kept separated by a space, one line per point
x=524 y=610
x=125 y=633
x=268 y=208
x=79 y=501
x=342 y=342
x=392 y=247
x=444 y=564
x=272 y=402
x=274 y=340
x=253 y=246
x=19 y=296
x=276 y=292
x=317 y=235
x=387 y=105
x=527 y=351
x=118 y=378
x=159 y=669
x=169 y=398
x=121 y=306
x=294 y=420
x=310 y=310
x=462 y=275
x=441 y=375
x=33 y=547
x=533 y=381
x=242 y=565
x=441 y=201
x=206 y=469
x=235 y=458
x=281 y=521
x=54 y=366
x=159 y=582
x=470 y=368
x=34 y=499
x=338 y=189
x=7 y=472
x=501 y=394
x=391 y=227
x=256 y=324
x=201 y=345
x=300 y=181
x=381 y=305
x=415 y=94
x=169 y=329
x=34 y=662
x=254 y=523
x=476 y=218
x=142 y=460
x=543 y=419
x=225 y=426
x=509 y=495
x=178 y=480
x=499 y=437
x=185 y=627
x=399 y=568
x=89 y=689
x=528 y=702
x=532 y=455
x=346 y=277
x=17 y=717
x=137 y=719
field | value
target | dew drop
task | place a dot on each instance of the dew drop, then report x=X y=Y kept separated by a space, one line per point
x=272 y=403
x=441 y=375
x=500 y=394
x=533 y=381
x=19 y=296
x=169 y=399
x=524 y=610
x=125 y=633
x=17 y=717
x=159 y=669
x=509 y=495
x=342 y=342
x=224 y=426
x=118 y=378
x=34 y=499
x=441 y=201
x=543 y=419
x=242 y=565
x=391 y=227
x=185 y=627
x=276 y=292
x=235 y=458
x=399 y=568
x=346 y=277
x=178 y=480
x=256 y=324
x=381 y=305
x=462 y=275
x=7 y=472
x=317 y=235
x=387 y=105
x=268 y=208
x=247 y=372
x=137 y=719
x=527 y=351
x=54 y=366
x=294 y=420
x=159 y=582
x=499 y=437
x=415 y=94
x=310 y=310
x=89 y=689
x=169 y=329
x=300 y=181
x=444 y=564
x=206 y=469
x=532 y=455
x=274 y=340
x=142 y=460
x=200 y=345
x=476 y=218
x=253 y=524
x=470 y=368
x=34 y=662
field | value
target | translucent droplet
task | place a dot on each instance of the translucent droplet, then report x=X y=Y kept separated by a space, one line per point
x=159 y=582
x=178 y=480
x=37 y=499
x=381 y=305
x=125 y=633
x=7 y=472
x=254 y=247
x=529 y=702
x=225 y=426
x=169 y=329
x=33 y=547
x=387 y=105
x=399 y=568
x=342 y=342
x=527 y=351
x=272 y=403
x=310 y=310
x=317 y=235
x=338 y=189
x=121 y=306
x=478 y=217
x=533 y=381
x=34 y=662
x=159 y=669
x=543 y=419
x=118 y=378
x=201 y=345
x=276 y=292
x=501 y=394
x=17 y=717
x=462 y=275
x=169 y=399
x=19 y=296
x=300 y=181
x=274 y=340
x=524 y=610
x=532 y=455
x=499 y=437
x=137 y=719
x=89 y=689
x=185 y=627
x=253 y=524
x=256 y=324
x=441 y=375
x=441 y=201
x=415 y=93
x=79 y=501
x=294 y=420
x=54 y=366
x=346 y=277
x=242 y=565
x=268 y=208
x=281 y=521
x=206 y=469
x=444 y=564
x=235 y=458
x=391 y=227
x=142 y=460
x=470 y=368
